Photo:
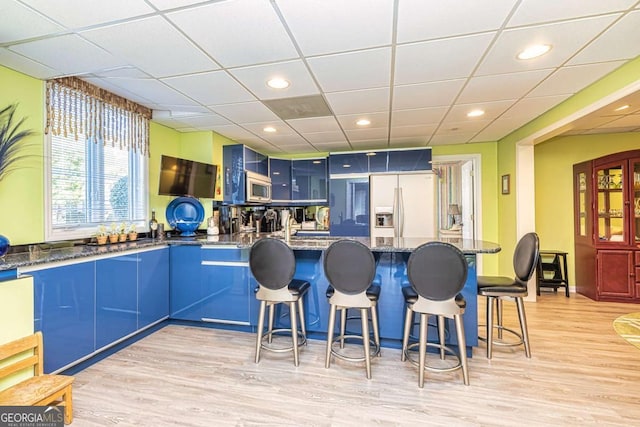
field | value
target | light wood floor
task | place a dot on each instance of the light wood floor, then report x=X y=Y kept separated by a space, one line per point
x=581 y=373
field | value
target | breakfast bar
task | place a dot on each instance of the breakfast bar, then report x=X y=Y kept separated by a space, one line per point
x=91 y=298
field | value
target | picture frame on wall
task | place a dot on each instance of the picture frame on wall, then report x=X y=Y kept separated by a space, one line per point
x=506 y=184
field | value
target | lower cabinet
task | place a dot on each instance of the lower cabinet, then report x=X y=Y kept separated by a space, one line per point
x=64 y=312
x=615 y=274
x=116 y=298
x=211 y=284
x=83 y=307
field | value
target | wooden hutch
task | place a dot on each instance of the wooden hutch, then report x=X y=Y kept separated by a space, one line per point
x=607 y=227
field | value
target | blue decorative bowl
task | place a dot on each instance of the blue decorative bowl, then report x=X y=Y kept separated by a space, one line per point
x=187 y=228
x=4 y=245
x=185 y=214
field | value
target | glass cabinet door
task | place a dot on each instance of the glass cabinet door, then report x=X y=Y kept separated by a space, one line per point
x=610 y=203
x=635 y=196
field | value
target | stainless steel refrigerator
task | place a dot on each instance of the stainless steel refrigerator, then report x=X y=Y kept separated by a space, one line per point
x=403 y=205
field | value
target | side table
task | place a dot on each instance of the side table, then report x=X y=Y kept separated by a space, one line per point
x=552 y=271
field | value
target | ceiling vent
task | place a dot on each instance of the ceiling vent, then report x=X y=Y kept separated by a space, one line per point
x=300 y=107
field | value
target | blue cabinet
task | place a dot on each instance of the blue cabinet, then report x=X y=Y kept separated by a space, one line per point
x=64 y=312
x=153 y=286
x=280 y=173
x=236 y=159
x=409 y=160
x=349 y=206
x=225 y=279
x=116 y=298
x=348 y=163
x=309 y=180
x=186 y=297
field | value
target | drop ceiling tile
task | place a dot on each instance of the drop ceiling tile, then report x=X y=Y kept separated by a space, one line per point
x=338 y=25
x=354 y=135
x=234 y=132
x=408 y=142
x=315 y=124
x=333 y=146
x=423 y=132
x=466 y=126
x=622 y=41
x=359 y=101
x=291 y=139
x=426 y=94
x=127 y=71
x=209 y=121
x=291 y=149
x=245 y=112
x=183 y=110
x=355 y=70
x=255 y=78
x=76 y=14
x=212 y=88
x=68 y=54
x=611 y=130
x=532 y=107
x=237 y=33
x=501 y=87
x=151 y=89
x=174 y=4
x=159 y=49
x=429 y=19
x=25 y=65
x=570 y=80
x=18 y=22
x=458 y=113
x=378 y=120
x=419 y=116
x=566 y=38
x=440 y=59
x=631 y=121
x=370 y=144
x=258 y=128
x=489 y=135
x=451 y=139
x=536 y=11
x=332 y=137
x=500 y=128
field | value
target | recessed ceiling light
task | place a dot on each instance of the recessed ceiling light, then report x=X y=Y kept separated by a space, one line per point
x=363 y=122
x=278 y=83
x=346 y=166
x=275 y=173
x=317 y=162
x=534 y=51
x=269 y=129
x=475 y=113
x=371 y=153
x=622 y=107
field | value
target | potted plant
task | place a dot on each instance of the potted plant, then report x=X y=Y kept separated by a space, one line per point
x=122 y=236
x=10 y=136
x=101 y=235
x=133 y=233
x=114 y=233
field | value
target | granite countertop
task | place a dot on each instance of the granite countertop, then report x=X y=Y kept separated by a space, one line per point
x=240 y=240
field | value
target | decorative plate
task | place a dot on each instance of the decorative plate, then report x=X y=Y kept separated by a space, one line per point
x=322 y=213
x=185 y=214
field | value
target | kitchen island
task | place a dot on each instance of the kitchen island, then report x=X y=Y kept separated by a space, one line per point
x=91 y=298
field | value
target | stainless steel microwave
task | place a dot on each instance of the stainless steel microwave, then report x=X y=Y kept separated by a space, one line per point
x=258 y=188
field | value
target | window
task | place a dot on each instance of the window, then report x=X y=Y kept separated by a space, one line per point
x=92 y=177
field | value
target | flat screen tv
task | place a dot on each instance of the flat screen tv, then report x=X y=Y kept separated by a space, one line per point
x=180 y=177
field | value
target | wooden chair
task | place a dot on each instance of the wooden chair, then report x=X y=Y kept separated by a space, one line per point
x=39 y=390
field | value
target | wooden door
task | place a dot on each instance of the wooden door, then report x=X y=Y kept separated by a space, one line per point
x=584 y=237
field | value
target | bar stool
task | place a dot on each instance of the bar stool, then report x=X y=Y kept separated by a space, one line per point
x=273 y=265
x=350 y=268
x=437 y=272
x=498 y=288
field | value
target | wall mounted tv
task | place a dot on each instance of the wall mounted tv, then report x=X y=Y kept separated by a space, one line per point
x=180 y=177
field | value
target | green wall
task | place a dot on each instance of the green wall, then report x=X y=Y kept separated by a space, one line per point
x=22 y=191
x=554 y=162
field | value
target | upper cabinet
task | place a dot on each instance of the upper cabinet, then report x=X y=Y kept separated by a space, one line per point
x=380 y=161
x=236 y=160
x=309 y=180
x=280 y=173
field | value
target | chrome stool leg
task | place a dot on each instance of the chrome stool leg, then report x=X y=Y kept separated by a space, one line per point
x=294 y=331
x=523 y=326
x=272 y=308
x=376 y=330
x=263 y=305
x=489 y=321
x=462 y=347
x=303 y=327
x=408 y=322
x=422 y=348
x=441 y=336
x=332 y=323
x=365 y=340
